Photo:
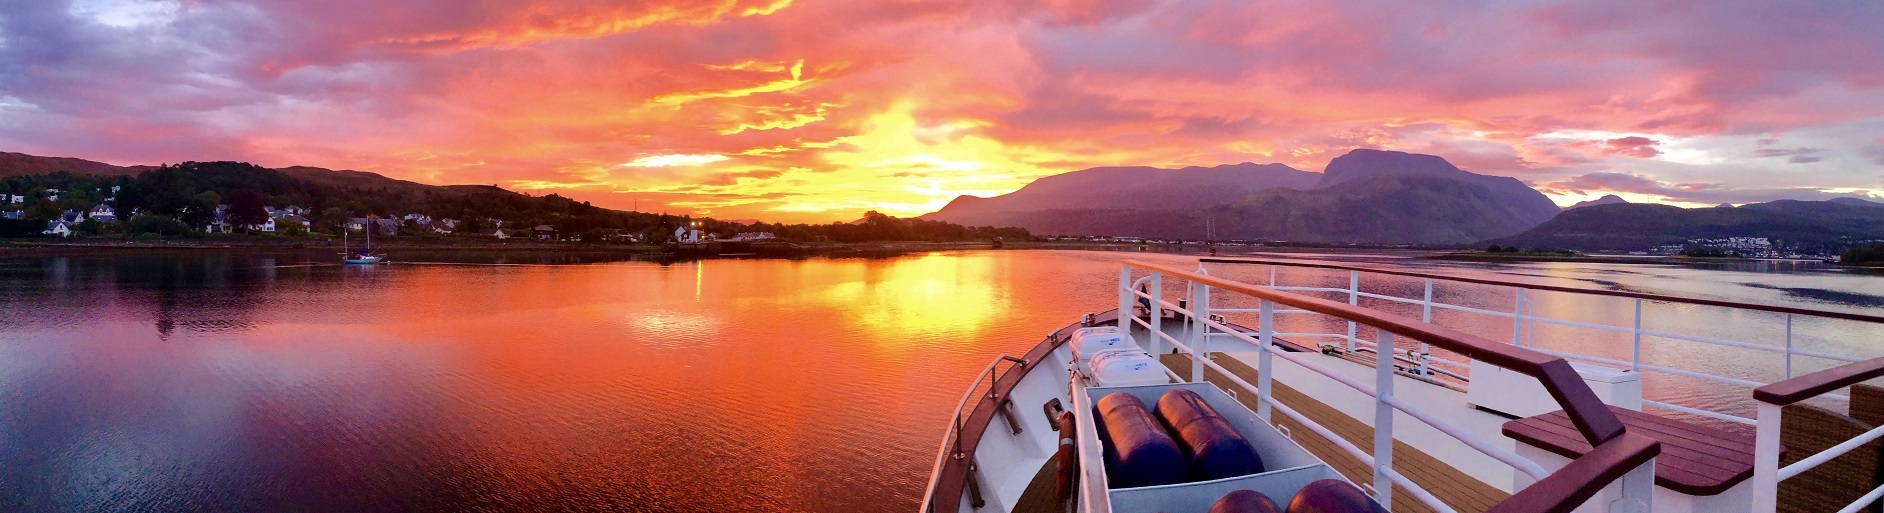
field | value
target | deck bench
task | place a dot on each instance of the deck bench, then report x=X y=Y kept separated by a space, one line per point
x=1700 y=468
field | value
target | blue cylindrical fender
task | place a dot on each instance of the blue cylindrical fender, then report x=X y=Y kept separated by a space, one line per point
x=1139 y=451
x=1212 y=445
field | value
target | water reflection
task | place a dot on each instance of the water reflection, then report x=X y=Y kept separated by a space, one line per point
x=489 y=381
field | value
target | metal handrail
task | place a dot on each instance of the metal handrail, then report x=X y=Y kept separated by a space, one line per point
x=1560 y=288
x=1524 y=323
x=952 y=439
x=1617 y=453
x=1773 y=398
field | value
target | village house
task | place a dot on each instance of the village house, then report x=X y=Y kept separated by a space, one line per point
x=296 y=218
x=754 y=236
x=58 y=228
x=220 y=224
x=16 y=199
x=103 y=214
x=385 y=226
x=499 y=233
x=52 y=194
x=545 y=232
x=13 y=214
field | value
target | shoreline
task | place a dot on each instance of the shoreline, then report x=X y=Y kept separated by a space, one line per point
x=1615 y=259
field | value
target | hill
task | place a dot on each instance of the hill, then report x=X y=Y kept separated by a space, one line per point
x=1384 y=209
x=1859 y=202
x=1510 y=194
x=21 y=164
x=1607 y=199
x=191 y=192
x=1366 y=196
x=1132 y=188
x=1819 y=226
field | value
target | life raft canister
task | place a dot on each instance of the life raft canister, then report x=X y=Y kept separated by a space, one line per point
x=1063 y=485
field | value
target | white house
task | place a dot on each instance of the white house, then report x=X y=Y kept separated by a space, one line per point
x=103 y=214
x=500 y=234
x=15 y=198
x=59 y=228
x=687 y=235
x=53 y=194
x=752 y=236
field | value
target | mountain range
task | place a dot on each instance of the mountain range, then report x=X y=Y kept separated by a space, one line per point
x=1364 y=196
x=1824 y=226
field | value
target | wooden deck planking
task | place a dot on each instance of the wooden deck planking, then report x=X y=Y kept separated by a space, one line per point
x=1457 y=490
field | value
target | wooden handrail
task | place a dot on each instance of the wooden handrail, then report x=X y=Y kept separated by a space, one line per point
x=1800 y=388
x=1558 y=288
x=1569 y=487
x=1591 y=417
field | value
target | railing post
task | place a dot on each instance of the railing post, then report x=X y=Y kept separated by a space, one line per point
x=1766 y=460
x=1637 y=490
x=1125 y=300
x=1272 y=275
x=1156 y=342
x=1265 y=316
x=1635 y=361
x=1426 y=316
x=1354 y=289
x=1788 y=346
x=1200 y=348
x=1383 y=420
x=1517 y=319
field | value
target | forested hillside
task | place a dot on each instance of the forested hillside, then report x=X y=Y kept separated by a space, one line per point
x=190 y=193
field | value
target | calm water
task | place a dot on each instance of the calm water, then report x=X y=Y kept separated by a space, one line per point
x=251 y=383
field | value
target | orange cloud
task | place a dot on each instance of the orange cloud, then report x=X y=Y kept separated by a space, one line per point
x=815 y=111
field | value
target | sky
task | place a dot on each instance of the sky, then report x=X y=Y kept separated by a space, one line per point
x=815 y=111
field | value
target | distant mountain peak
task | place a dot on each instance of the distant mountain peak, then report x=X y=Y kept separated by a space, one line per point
x=1607 y=199
x=1856 y=202
x=1364 y=162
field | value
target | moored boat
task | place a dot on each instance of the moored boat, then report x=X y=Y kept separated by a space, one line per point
x=1457 y=422
x=364 y=255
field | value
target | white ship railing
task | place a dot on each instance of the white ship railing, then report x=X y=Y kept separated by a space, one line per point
x=1767 y=473
x=983 y=388
x=1619 y=456
x=1422 y=363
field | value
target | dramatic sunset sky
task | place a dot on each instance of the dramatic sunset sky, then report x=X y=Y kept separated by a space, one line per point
x=809 y=110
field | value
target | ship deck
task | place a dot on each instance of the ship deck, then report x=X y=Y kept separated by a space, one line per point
x=1453 y=485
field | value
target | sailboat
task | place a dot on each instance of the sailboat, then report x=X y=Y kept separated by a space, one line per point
x=363 y=256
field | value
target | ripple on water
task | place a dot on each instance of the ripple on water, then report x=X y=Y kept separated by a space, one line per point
x=816 y=385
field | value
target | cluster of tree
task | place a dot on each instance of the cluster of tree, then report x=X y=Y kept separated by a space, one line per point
x=1708 y=252
x=878 y=227
x=169 y=200
x=1864 y=255
x=1514 y=249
